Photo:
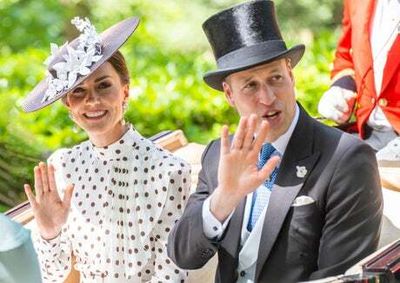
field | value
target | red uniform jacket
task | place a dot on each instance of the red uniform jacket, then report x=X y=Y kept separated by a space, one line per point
x=354 y=57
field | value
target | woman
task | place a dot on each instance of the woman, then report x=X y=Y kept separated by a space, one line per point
x=121 y=194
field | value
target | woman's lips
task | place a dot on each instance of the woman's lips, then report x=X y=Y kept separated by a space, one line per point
x=95 y=114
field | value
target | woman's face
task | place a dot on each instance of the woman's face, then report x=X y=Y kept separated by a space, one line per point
x=97 y=105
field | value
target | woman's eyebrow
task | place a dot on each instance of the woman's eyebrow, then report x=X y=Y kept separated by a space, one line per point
x=101 y=78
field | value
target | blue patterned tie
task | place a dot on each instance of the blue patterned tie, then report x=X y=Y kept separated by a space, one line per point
x=260 y=196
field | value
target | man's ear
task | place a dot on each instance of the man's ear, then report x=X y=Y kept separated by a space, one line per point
x=290 y=70
x=228 y=93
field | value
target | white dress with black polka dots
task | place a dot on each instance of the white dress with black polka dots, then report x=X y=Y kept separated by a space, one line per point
x=126 y=199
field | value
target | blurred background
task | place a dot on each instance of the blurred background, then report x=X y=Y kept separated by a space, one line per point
x=167 y=56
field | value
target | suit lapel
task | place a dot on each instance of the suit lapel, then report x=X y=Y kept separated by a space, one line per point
x=299 y=153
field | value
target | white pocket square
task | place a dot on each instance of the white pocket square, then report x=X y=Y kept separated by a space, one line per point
x=303 y=200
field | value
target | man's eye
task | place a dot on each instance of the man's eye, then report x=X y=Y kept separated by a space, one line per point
x=277 y=78
x=250 y=85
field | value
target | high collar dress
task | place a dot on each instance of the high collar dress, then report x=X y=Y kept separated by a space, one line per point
x=127 y=196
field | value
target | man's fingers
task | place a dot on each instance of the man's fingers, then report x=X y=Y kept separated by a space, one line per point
x=225 y=144
x=29 y=194
x=341 y=117
x=269 y=166
x=68 y=195
x=261 y=136
x=249 y=136
x=340 y=104
x=237 y=142
x=349 y=95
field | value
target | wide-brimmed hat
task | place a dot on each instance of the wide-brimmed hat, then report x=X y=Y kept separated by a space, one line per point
x=72 y=63
x=244 y=36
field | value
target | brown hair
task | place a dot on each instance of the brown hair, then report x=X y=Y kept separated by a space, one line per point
x=117 y=60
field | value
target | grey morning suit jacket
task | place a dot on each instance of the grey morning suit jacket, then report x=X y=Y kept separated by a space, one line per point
x=298 y=243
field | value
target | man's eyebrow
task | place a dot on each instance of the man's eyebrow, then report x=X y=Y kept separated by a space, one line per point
x=247 y=79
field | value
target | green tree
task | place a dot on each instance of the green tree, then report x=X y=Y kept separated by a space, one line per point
x=167 y=56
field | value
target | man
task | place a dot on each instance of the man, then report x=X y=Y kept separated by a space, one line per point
x=317 y=213
x=366 y=74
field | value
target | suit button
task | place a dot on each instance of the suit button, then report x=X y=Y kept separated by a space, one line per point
x=242 y=273
x=383 y=102
x=373 y=100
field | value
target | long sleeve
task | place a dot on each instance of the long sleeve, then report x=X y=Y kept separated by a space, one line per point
x=188 y=246
x=54 y=257
x=343 y=62
x=178 y=191
x=353 y=212
x=213 y=229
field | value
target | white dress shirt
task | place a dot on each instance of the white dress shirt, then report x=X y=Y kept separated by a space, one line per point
x=384 y=30
x=213 y=229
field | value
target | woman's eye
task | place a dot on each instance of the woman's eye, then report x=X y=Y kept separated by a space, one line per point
x=104 y=85
x=77 y=92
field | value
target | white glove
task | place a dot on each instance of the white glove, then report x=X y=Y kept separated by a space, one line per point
x=337 y=104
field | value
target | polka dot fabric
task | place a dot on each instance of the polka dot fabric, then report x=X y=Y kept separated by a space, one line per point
x=127 y=197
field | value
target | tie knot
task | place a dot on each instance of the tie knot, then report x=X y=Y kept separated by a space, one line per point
x=266 y=151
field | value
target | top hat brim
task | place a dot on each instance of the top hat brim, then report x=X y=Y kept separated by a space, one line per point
x=263 y=56
x=111 y=40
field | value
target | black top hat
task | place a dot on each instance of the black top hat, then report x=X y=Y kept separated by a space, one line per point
x=74 y=62
x=244 y=36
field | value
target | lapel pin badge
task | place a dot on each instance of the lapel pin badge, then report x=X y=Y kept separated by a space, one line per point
x=301 y=171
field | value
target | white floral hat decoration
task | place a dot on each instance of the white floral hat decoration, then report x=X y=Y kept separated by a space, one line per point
x=73 y=62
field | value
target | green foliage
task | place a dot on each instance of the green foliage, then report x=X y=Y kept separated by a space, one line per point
x=314 y=15
x=312 y=74
x=167 y=57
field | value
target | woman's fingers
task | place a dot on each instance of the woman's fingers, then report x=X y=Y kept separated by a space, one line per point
x=29 y=194
x=52 y=178
x=45 y=179
x=38 y=181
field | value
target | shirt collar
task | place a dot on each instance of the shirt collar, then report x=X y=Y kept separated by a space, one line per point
x=281 y=143
x=128 y=142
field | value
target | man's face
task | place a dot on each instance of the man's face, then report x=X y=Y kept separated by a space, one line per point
x=267 y=91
